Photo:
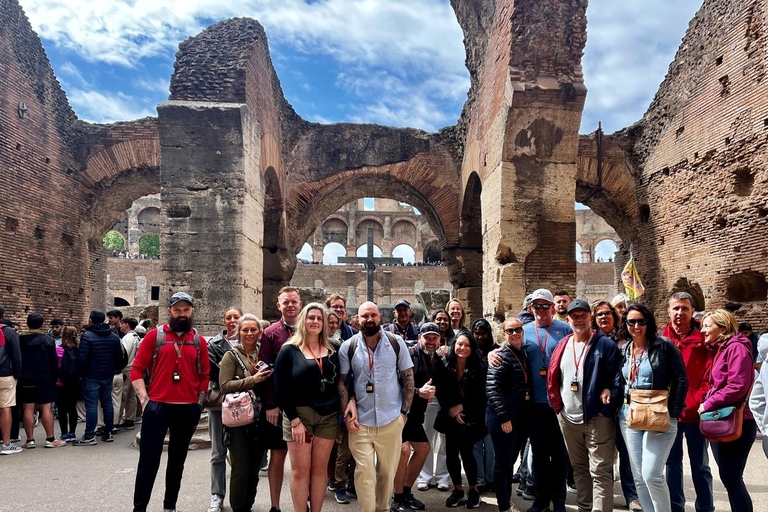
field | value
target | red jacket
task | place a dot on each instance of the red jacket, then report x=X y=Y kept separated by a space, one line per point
x=698 y=360
x=162 y=388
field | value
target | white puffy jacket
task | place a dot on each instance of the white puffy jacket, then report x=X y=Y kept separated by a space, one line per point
x=758 y=397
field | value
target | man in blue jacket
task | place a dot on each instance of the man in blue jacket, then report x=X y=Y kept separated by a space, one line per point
x=98 y=356
x=583 y=386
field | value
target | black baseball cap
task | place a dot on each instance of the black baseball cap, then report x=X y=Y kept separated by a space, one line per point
x=179 y=297
x=578 y=304
x=429 y=327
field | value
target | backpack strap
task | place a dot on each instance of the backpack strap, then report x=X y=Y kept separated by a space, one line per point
x=241 y=363
x=160 y=342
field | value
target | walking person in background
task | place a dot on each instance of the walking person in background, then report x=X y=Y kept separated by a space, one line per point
x=223 y=342
x=651 y=362
x=68 y=385
x=731 y=380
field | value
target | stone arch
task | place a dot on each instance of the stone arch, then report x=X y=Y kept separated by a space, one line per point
x=597 y=243
x=361 y=229
x=149 y=220
x=404 y=231
x=692 y=287
x=335 y=229
x=747 y=286
x=328 y=252
x=120 y=302
x=466 y=264
x=433 y=253
x=405 y=251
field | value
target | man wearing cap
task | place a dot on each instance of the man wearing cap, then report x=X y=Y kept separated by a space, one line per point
x=402 y=326
x=429 y=373
x=583 y=386
x=550 y=458
x=178 y=380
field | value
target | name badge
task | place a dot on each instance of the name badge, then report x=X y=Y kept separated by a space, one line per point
x=543 y=371
x=575 y=386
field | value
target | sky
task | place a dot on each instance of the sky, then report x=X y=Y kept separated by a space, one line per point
x=391 y=62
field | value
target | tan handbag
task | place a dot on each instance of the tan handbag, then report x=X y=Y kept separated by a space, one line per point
x=648 y=409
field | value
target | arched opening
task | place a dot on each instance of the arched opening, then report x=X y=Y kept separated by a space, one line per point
x=149 y=246
x=692 y=288
x=119 y=302
x=362 y=251
x=406 y=252
x=433 y=253
x=331 y=253
x=334 y=230
x=305 y=254
x=605 y=251
x=114 y=243
x=747 y=286
x=578 y=253
x=361 y=232
x=467 y=263
x=149 y=220
x=404 y=232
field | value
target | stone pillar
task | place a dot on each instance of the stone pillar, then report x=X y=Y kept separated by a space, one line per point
x=212 y=194
x=386 y=286
x=141 y=298
x=134 y=233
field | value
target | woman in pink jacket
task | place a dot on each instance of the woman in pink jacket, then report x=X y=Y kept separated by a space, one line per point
x=731 y=379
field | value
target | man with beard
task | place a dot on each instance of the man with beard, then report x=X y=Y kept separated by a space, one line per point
x=378 y=411
x=429 y=372
x=270 y=420
x=685 y=332
x=562 y=300
x=583 y=387
x=177 y=360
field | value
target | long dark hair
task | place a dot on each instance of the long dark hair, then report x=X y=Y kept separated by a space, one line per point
x=651 y=329
x=473 y=361
x=484 y=325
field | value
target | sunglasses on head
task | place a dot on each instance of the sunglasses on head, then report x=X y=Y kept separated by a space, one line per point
x=642 y=322
x=541 y=306
x=513 y=330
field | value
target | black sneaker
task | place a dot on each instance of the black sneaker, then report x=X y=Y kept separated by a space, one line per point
x=455 y=499
x=85 y=441
x=127 y=425
x=400 y=506
x=107 y=438
x=332 y=485
x=414 y=503
x=473 y=499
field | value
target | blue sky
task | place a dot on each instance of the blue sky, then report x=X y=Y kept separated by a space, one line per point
x=392 y=62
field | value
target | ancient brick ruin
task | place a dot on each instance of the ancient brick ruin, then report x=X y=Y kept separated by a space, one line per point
x=244 y=181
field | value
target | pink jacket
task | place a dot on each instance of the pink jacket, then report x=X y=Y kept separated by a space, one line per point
x=732 y=375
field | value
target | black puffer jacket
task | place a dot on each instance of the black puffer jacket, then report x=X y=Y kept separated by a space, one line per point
x=668 y=371
x=100 y=353
x=508 y=384
x=40 y=362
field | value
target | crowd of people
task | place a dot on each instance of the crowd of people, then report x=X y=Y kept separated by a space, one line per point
x=571 y=396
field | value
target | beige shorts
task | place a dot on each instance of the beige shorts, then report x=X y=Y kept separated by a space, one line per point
x=7 y=391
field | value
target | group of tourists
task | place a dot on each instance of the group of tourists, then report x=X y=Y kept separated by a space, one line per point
x=568 y=389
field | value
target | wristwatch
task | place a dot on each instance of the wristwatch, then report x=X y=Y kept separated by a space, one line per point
x=404 y=412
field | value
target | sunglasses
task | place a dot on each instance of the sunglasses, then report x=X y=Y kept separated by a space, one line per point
x=642 y=322
x=541 y=306
x=513 y=330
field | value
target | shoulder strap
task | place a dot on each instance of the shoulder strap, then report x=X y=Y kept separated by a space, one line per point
x=354 y=340
x=241 y=363
x=395 y=344
x=3 y=349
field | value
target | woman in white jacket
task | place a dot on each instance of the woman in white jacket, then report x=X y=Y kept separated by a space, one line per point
x=757 y=400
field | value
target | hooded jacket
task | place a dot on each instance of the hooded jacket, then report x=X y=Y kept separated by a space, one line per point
x=602 y=363
x=100 y=353
x=698 y=360
x=757 y=399
x=732 y=374
x=41 y=363
x=10 y=365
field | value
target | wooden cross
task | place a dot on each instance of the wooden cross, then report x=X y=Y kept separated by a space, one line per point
x=370 y=262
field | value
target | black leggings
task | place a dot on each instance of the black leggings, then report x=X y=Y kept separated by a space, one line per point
x=459 y=444
x=66 y=403
x=731 y=460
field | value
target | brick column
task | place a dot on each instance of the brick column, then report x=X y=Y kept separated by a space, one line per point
x=212 y=193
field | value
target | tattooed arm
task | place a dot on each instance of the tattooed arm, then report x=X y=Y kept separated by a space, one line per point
x=407 y=377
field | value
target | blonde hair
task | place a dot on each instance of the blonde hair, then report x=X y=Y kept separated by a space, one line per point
x=249 y=317
x=463 y=319
x=724 y=319
x=299 y=338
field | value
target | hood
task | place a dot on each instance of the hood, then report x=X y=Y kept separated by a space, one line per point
x=525 y=317
x=99 y=329
x=740 y=338
x=6 y=323
x=762 y=346
x=35 y=339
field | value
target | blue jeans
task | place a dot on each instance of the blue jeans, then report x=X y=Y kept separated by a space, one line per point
x=625 y=467
x=648 y=452
x=93 y=391
x=702 y=476
x=485 y=457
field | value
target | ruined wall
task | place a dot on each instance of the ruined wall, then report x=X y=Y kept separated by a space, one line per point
x=700 y=164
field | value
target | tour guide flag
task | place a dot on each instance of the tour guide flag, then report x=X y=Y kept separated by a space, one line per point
x=631 y=279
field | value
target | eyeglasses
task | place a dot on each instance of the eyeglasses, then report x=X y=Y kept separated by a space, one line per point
x=602 y=314
x=541 y=306
x=642 y=322
x=513 y=330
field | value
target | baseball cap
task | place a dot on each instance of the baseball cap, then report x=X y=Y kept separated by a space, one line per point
x=402 y=302
x=429 y=327
x=542 y=294
x=578 y=304
x=527 y=301
x=181 y=296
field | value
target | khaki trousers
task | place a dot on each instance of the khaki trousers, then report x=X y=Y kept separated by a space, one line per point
x=128 y=399
x=377 y=452
x=590 y=446
x=117 y=395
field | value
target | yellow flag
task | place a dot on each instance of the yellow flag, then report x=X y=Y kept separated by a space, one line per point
x=631 y=279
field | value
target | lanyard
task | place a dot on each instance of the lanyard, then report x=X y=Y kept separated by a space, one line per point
x=402 y=332
x=318 y=360
x=370 y=358
x=543 y=348
x=252 y=362
x=522 y=366
x=577 y=362
x=634 y=364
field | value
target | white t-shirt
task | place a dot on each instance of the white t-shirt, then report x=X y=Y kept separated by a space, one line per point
x=573 y=408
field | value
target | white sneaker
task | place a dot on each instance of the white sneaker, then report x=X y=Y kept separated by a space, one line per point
x=422 y=486
x=10 y=449
x=217 y=503
x=443 y=486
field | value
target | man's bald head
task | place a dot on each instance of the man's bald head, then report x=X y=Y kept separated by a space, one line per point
x=370 y=318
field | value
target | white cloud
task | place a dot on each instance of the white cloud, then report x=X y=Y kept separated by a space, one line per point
x=97 y=107
x=160 y=84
